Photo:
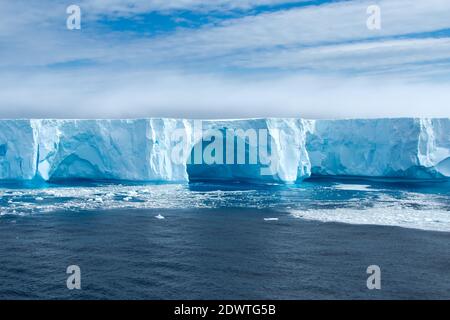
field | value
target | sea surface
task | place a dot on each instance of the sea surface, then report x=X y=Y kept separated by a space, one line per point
x=314 y=240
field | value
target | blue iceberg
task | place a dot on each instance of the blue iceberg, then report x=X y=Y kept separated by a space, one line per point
x=402 y=148
x=144 y=149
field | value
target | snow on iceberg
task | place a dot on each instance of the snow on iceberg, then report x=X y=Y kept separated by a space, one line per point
x=293 y=149
x=403 y=148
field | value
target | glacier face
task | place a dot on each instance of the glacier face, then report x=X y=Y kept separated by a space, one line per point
x=134 y=150
x=293 y=149
x=434 y=146
x=278 y=148
x=18 y=150
x=403 y=148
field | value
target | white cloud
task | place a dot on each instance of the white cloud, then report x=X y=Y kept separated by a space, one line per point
x=127 y=7
x=392 y=56
x=181 y=73
x=130 y=95
x=303 y=28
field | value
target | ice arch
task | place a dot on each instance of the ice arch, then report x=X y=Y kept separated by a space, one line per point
x=273 y=149
x=74 y=167
x=225 y=163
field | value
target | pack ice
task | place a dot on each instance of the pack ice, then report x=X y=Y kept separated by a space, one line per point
x=142 y=149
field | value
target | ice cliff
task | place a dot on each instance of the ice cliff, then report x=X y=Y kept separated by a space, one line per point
x=403 y=148
x=135 y=150
x=277 y=146
x=149 y=149
x=18 y=150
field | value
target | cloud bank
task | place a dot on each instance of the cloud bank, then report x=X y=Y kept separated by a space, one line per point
x=292 y=59
x=176 y=95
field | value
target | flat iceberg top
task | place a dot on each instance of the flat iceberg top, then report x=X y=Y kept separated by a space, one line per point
x=263 y=149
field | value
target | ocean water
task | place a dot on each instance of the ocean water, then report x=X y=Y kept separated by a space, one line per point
x=314 y=240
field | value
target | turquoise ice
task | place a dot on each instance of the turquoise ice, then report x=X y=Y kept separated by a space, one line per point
x=142 y=149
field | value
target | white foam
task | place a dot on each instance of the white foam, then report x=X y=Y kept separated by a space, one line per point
x=270 y=219
x=434 y=220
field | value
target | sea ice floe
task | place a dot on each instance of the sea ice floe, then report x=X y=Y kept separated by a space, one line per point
x=429 y=211
x=435 y=220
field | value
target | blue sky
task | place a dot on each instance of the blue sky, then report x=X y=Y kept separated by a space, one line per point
x=224 y=59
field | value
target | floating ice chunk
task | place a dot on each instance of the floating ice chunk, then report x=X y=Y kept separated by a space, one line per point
x=160 y=217
x=353 y=187
x=270 y=219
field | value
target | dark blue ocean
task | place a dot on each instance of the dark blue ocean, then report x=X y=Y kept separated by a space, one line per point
x=205 y=241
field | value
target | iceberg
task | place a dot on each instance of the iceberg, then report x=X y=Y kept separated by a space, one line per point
x=401 y=148
x=277 y=146
x=18 y=150
x=133 y=150
x=272 y=150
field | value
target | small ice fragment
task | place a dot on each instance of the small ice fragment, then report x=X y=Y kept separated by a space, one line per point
x=128 y=198
x=270 y=219
x=354 y=187
x=160 y=217
x=39 y=198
